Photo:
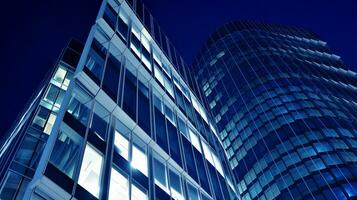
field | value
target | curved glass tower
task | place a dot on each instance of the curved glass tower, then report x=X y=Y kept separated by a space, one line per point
x=285 y=107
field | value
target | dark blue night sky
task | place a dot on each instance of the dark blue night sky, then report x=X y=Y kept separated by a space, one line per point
x=34 y=32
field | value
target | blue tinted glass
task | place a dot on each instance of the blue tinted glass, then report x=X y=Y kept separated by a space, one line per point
x=174 y=143
x=111 y=77
x=161 y=135
x=129 y=99
x=143 y=109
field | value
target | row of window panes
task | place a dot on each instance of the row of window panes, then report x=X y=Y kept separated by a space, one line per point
x=138 y=40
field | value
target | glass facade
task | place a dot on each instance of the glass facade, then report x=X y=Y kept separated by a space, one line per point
x=285 y=108
x=117 y=119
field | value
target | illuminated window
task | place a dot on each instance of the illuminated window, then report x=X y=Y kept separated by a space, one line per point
x=137 y=193
x=49 y=124
x=139 y=160
x=121 y=145
x=119 y=186
x=194 y=140
x=91 y=171
x=59 y=76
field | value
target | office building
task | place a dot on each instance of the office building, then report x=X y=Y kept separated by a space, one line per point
x=116 y=119
x=285 y=108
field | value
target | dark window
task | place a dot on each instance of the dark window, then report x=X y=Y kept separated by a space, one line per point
x=201 y=172
x=174 y=143
x=161 y=135
x=123 y=29
x=190 y=162
x=144 y=108
x=111 y=77
x=110 y=16
x=95 y=60
x=129 y=100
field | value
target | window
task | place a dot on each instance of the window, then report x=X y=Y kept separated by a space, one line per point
x=65 y=154
x=175 y=185
x=121 y=145
x=49 y=124
x=41 y=117
x=129 y=101
x=160 y=173
x=100 y=120
x=51 y=95
x=110 y=16
x=192 y=192
x=95 y=60
x=158 y=75
x=59 y=76
x=144 y=108
x=194 y=140
x=182 y=127
x=79 y=105
x=135 y=44
x=161 y=134
x=146 y=52
x=91 y=171
x=139 y=160
x=137 y=193
x=119 y=186
x=123 y=24
x=111 y=77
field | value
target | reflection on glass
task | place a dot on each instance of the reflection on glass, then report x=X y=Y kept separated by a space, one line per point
x=160 y=174
x=194 y=140
x=139 y=160
x=192 y=192
x=121 y=145
x=119 y=186
x=175 y=186
x=79 y=105
x=91 y=171
x=137 y=194
x=49 y=124
x=65 y=154
x=59 y=75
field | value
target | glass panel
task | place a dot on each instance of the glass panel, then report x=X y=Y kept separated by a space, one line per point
x=79 y=105
x=110 y=16
x=111 y=77
x=158 y=75
x=100 y=120
x=91 y=171
x=190 y=162
x=59 y=75
x=121 y=145
x=129 y=100
x=137 y=193
x=160 y=173
x=49 y=124
x=174 y=143
x=51 y=94
x=65 y=154
x=139 y=160
x=95 y=60
x=10 y=186
x=41 y=117
x=123 y=24
x=194 y=140
x=135 y=44
x=161 y=134
x=175 y=187
x=144 y=108
x=192 y=192
x=119 y=186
